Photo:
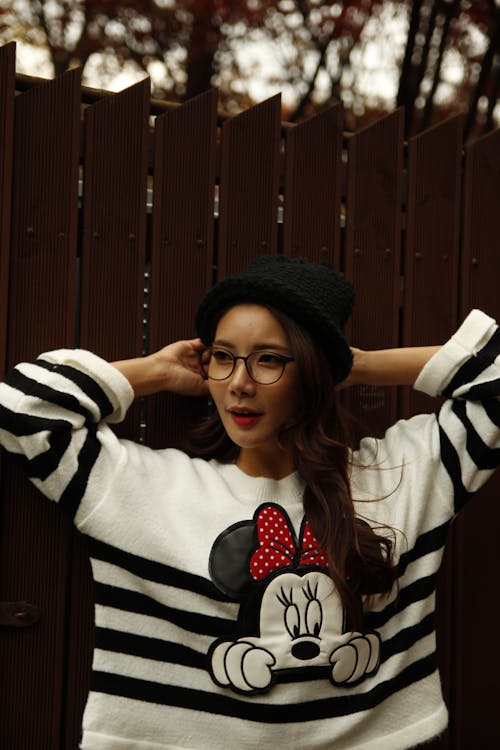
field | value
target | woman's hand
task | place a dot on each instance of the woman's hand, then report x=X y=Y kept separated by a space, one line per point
x=175 y=368
x=180 y=362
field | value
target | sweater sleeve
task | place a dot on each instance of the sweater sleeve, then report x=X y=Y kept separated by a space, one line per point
x=467 y=372
x=54 y=417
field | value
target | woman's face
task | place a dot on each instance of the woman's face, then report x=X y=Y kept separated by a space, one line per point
x=253 y=415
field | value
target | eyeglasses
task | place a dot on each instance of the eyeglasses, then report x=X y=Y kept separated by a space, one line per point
x=264 y=368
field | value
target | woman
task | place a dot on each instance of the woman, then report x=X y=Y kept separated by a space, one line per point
x=277 y=591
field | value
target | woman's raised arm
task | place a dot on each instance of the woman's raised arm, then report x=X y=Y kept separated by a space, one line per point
x=174 y=368
x=389 y=366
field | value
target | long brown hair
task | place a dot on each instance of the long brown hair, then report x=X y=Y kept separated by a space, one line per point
x=359 y=559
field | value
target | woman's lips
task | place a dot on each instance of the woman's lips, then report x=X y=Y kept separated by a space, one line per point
x=244 y=419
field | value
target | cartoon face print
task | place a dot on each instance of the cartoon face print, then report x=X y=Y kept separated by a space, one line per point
x=291 y=620
x=303 y=619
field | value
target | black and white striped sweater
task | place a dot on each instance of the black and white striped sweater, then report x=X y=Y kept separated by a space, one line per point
x=216 y=623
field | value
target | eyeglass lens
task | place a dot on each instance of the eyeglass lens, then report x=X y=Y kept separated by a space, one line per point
x=263 y=367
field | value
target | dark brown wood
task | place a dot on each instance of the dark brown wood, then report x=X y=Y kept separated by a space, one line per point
x=478 y=606
x=430 y=314
x=432 y=243
x=182 y=242
x=372 y=254
x=44 y=217
x=313 y=167
x=480 y=253
x=7 y=88
x=477 y=659
x=80 y=642
x=249 y=184
x=114 y=230
x=34 y=537
x=114 y=223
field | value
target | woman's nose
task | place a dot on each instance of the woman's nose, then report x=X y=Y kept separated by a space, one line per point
x=241 y=382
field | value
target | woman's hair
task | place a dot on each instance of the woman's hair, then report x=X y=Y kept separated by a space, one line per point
x=359 y=560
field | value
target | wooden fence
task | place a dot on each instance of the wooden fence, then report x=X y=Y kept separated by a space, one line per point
x=117 y=215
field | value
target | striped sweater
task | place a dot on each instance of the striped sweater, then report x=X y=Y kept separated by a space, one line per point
x=216 y=624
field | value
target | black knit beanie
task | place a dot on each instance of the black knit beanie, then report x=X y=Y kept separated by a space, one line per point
x=316 y=296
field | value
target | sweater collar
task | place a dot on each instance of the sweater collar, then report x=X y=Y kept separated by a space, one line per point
x=286 y=491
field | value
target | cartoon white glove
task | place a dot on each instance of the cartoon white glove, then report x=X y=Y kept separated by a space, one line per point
x=242 y=666
x=356 y=659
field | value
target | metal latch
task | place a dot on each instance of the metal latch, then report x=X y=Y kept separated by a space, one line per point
x=18 y=614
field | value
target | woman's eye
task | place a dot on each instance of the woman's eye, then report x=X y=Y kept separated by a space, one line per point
x=221 y=356
x=270 y=359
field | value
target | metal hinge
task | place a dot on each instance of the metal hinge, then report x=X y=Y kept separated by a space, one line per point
x=18 y=614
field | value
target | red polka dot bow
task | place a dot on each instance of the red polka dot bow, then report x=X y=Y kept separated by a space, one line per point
x=278 y=546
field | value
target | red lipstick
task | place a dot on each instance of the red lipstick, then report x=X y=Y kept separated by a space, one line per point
x=244 y=418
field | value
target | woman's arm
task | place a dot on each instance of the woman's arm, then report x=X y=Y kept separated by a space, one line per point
x=463 y=435
x=55 y=412
x=54 y=416
x=174 y=368
x=389 y=366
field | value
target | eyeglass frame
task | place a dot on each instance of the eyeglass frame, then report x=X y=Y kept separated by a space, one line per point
x=285 y=359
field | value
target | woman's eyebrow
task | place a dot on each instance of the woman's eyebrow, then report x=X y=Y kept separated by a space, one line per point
x=265 y=346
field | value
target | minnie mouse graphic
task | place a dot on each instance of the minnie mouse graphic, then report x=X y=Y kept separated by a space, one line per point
x=291 y=620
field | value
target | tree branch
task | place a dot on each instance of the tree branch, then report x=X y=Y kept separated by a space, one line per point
x=299 y=109
x=449 y=10
x=486 y=66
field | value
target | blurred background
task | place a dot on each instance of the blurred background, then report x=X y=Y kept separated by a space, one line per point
x=435 y=57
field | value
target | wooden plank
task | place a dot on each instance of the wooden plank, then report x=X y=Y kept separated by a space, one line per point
x=372 y=254
x=114 y=229
x=35 y=539
x=44 y=219
x=476 y=679
x=112 y=280
x=480 y=251
x=80 y=642
x=476 y=566
x=313 y=166
x=430 y=316
x=114 y=223
x=432 y=244
x=7 y=89
x=182 y=241
x=249 y=184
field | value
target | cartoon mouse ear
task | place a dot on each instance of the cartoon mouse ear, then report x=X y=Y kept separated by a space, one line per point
x=229 y=563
